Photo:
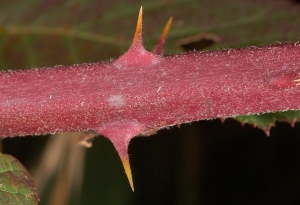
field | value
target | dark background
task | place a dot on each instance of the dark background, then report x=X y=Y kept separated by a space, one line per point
x=207 y=162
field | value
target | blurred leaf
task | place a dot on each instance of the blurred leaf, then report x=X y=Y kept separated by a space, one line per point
x=48 y=33
x=16 y=185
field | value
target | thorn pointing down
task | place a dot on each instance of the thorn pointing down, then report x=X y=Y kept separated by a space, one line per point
x=120 y=133
x=126 y=165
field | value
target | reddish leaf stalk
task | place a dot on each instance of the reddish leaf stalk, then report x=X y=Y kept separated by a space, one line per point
x=142 y=92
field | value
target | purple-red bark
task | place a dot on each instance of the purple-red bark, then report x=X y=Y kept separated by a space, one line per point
x=154 y=93
x=142 y=92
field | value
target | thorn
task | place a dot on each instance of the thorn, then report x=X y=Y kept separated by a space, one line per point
x=122 y=148
x=167 y=28
x=120 y=133
x=136 y=56
x=159 y=47
x=126 y=165
x=138 y=31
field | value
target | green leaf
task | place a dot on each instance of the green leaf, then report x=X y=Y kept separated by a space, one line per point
x=16 y=185
x=267 y=120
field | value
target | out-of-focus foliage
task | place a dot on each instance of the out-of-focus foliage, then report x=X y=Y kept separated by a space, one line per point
x=16 y=185
x=45 y=33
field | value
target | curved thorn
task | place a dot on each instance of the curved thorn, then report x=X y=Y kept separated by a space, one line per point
x=159 y=47
x=138 y=30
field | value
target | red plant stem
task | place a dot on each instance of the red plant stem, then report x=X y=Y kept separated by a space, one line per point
x=154 y=92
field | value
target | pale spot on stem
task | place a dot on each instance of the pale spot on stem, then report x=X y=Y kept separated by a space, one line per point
x=116 y=100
